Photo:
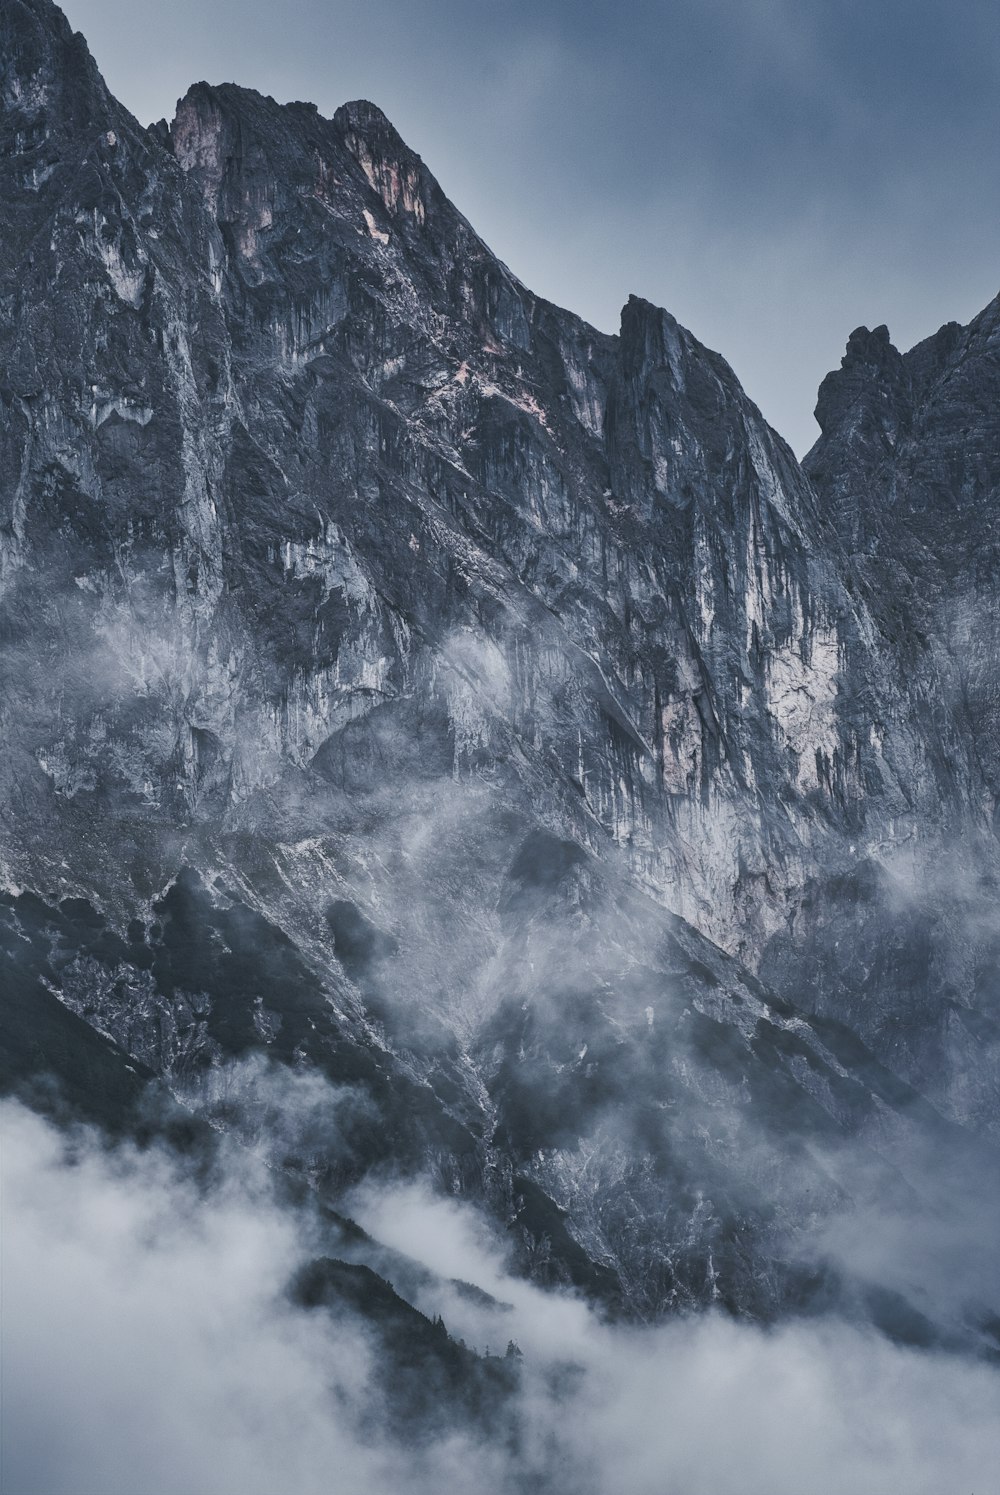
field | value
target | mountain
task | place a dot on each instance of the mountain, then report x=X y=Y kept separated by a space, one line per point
x=407 y=684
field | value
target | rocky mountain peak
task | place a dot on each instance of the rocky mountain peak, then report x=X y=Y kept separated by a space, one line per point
x=650 y=335
x=366 y=122
x=871 y=362
x=865 y=342
x=435 y=691
x=909 y=435
x=395 y=172
x=868 y=404
x=48 y=79
x=194 y=133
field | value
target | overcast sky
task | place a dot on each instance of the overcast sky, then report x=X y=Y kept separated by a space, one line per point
x=775 y=172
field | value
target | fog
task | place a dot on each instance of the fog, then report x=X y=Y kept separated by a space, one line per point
x=150 y=1347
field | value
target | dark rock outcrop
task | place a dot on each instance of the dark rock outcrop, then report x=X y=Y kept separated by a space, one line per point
x=416 y=685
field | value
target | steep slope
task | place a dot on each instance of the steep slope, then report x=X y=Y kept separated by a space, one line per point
x=409 y=683
x=365 y=449
x=907 y=468
x=908 y=465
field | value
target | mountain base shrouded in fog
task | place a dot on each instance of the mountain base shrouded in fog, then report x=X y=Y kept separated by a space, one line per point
x=459 y=767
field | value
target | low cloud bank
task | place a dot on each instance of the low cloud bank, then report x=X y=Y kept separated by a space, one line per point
x=149 y=1347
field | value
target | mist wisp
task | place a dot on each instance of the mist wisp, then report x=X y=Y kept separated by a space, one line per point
x=149 y=1322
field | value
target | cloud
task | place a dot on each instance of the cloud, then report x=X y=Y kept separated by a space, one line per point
x=705 y=1406
x=148 y=1345
x=149 y=1348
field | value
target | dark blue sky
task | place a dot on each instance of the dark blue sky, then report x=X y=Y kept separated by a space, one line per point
x=773 y=171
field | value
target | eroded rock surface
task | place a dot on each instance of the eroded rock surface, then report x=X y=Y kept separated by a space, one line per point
x=530 y=744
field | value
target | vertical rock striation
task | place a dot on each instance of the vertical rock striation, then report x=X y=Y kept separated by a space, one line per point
x=509 y=684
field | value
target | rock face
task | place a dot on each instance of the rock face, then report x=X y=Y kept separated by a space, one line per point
x=908 y=469
x=404 y=679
